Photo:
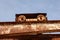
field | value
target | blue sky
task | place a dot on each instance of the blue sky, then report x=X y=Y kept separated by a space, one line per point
x=8 y=8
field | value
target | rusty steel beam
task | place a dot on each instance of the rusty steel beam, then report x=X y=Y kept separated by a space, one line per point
x=30 y=24
x=29 y=28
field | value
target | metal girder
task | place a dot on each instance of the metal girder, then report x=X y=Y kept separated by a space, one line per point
x=30 y=29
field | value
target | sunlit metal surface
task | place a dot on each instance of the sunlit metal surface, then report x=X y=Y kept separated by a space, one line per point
x=33 y=27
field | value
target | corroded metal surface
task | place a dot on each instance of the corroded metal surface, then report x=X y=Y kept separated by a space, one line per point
x=29 y=27
x=33 y=27
x=55 y=38
x=8 y=39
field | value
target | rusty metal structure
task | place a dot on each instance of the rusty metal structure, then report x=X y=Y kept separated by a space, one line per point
x=30 y=27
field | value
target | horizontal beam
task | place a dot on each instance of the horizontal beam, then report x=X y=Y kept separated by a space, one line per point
x=31 y=28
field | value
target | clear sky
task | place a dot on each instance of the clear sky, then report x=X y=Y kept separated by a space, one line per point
x=8 y=8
